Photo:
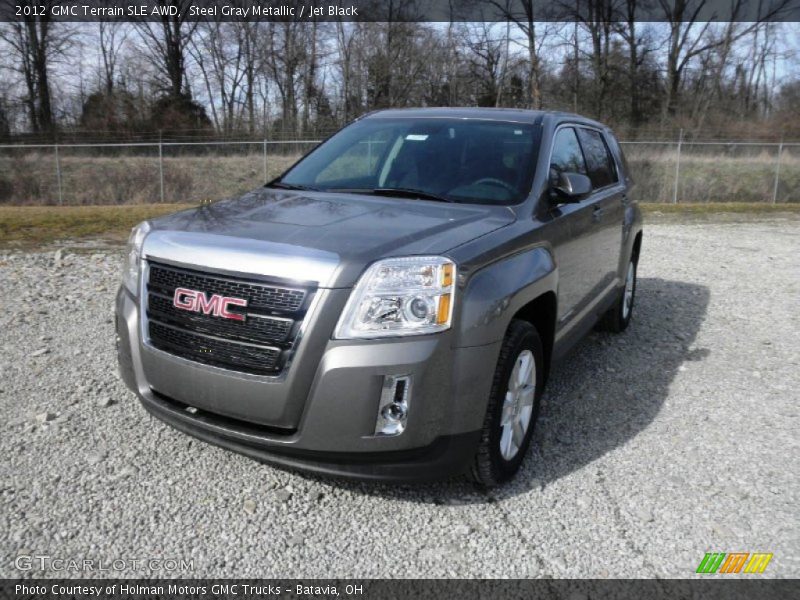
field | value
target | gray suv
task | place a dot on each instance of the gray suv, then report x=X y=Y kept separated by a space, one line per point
x=389 y=307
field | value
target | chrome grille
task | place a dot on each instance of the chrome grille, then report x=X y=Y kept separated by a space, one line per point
x=259 y=344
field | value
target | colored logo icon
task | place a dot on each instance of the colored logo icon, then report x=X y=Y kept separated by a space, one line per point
x=734 y=562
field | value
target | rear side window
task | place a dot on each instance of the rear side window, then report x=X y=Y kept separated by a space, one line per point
x=567 y=155
x=602 y=170
x=616 y=150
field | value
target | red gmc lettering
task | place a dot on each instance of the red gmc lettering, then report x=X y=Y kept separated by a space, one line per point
x=195 y=301
x=184 y=299
x=226 y=314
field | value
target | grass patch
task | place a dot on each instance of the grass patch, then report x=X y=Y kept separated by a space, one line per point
x=44 y=224
x=37 y=225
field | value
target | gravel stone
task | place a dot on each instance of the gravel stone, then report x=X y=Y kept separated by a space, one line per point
x=249 y=506
x=96 y=458
x=45 y=417
x=282 y=495
x=105 y=402
x=710 y=451
x=40 y=352
x=643 y=513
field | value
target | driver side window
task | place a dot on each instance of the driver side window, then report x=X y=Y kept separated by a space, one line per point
x=567 y=155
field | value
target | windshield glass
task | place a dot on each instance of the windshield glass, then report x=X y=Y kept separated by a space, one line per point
x=458 y=160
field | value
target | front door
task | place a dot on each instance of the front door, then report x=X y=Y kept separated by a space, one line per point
x=578 y=274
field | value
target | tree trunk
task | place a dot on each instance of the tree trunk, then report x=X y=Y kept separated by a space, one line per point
x=533 y=55
x=310 y=76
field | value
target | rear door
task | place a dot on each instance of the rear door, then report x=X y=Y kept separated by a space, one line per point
x=607 y=209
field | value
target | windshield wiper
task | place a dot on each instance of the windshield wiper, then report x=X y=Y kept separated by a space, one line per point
x=292 y=186
x=389 y=191
x=410 y=193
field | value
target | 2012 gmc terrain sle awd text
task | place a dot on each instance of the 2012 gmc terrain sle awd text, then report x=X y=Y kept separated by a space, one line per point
x=390 y=306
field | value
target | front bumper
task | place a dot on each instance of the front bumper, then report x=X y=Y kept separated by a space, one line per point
x=321 y=416
x=444 y=457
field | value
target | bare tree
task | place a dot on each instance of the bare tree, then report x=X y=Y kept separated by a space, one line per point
x=167 y=41
x=283 y=56
x=688 y=36
x=345 y=35
x=250 y=38
x=218 y=50
x=309 y=77
x=531 y=23
x=598 y=20
x=111 y=38
x=630 y=33
x=486 y=58
x=37 y=42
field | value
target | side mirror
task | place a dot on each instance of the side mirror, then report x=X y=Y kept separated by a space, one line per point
x=572 y=187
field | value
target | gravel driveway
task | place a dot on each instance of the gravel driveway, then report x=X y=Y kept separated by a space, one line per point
x=676 y=438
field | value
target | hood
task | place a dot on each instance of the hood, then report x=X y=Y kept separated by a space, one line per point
x=352 y=230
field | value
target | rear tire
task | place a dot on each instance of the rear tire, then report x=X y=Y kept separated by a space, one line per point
x=513 y=406
x=618 y=317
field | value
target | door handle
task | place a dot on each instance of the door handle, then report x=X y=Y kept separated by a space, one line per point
x=597 y=213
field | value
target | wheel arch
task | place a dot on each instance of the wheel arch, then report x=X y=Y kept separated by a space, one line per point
x=523 y=285
x=541 y=313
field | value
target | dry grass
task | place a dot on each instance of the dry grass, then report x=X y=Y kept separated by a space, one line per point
x=713 y=176
x=43 y=224
x=37 y=225
x=30 y=179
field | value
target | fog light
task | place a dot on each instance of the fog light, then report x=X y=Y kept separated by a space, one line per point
x=393 y=408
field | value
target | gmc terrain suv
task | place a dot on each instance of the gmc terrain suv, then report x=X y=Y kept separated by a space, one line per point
x=390 y=306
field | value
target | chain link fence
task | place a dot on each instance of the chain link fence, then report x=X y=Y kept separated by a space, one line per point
x=200 y=171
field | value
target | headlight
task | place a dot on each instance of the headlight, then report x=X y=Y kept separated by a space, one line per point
x=130 y=270
x=400 y=296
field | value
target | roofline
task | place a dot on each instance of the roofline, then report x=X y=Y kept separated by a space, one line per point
x=481 y=112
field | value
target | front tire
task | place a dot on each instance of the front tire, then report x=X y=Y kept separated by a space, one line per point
x=513 y=406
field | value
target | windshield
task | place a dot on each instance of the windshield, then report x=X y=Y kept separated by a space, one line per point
x=456 y=160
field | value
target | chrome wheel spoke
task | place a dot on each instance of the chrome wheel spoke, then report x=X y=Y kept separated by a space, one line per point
x=518 y=403
x=508 y=409
x=526 y=396
x=505 y=442
x=525 y=368
x=519 y=434
x=627 y=298
x=513 y=382
x=525 y=416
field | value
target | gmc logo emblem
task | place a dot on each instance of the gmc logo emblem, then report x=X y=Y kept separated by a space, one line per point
x=194 y=301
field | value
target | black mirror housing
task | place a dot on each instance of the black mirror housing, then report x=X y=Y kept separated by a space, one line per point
x=572 y=187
